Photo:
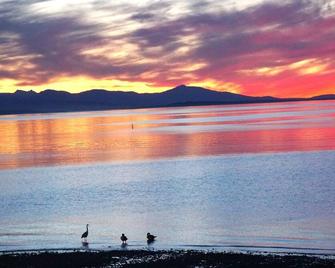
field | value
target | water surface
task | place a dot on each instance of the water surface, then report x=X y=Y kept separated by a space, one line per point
x=239 y=176
x=71 y=138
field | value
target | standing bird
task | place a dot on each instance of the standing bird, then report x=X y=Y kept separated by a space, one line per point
x=151 y=238
x=123 y=239
x=84 y=235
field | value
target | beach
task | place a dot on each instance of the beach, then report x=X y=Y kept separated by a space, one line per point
x=164 y=258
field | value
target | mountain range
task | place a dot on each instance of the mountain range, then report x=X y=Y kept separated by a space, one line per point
x=98 y=99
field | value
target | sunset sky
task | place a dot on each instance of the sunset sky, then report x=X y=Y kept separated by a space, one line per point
x=279 y=48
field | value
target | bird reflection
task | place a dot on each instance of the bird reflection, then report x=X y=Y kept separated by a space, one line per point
x=85 y=244
x=124 y=245
x=150 y=243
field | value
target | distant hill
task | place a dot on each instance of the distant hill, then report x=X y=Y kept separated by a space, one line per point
x=324 y=97
x=98 y=99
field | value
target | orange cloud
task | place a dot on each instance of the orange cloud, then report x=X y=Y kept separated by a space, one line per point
x=219 y=85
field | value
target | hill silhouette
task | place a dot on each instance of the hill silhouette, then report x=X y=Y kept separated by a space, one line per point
x=324 y=97
x=99 y=99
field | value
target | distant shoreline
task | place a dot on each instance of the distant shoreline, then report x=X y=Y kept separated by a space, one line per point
x=161 y=258
x=187 y=104
x=53 y=101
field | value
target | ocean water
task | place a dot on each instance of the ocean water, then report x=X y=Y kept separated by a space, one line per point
x=241 y=177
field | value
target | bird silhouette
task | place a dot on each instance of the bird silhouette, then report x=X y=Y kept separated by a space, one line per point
x=123 y=238
x=84 y=235
x=150 y=237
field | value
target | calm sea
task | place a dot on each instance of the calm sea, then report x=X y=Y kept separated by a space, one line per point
x=241 y=177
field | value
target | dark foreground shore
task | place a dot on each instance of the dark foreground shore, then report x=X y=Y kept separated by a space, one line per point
x=173 y=258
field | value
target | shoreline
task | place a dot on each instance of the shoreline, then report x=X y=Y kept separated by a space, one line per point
x=160 y=258
x=258 y=250
x=173 y=105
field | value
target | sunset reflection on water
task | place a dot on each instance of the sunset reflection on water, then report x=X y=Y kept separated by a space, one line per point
x=70 y=138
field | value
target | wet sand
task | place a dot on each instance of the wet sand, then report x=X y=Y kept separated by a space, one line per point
x=171 y=258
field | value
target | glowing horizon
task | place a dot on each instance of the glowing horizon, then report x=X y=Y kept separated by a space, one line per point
x=256 y=48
